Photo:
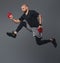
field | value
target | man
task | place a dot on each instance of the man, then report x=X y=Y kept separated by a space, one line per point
x=34 y=20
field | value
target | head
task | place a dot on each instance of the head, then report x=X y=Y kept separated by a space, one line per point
x=24 y=7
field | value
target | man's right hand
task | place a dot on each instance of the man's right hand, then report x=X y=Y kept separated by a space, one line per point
x=40 y=29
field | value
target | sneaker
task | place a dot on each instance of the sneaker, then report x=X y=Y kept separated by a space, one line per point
x=11 y=34
x=54 y=42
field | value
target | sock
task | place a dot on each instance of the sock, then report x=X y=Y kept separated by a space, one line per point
x=15 y=32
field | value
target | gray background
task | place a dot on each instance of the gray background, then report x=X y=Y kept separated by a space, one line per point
x=24 y=49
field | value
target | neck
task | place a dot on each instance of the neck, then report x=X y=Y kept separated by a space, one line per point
x=27 y=12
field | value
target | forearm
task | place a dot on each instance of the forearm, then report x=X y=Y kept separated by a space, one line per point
x=16 y=20
x=40 y=19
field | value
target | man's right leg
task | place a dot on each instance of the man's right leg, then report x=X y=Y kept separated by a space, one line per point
x=14 y=33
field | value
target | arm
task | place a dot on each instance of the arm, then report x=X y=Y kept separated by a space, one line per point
x=40 y=23
x=14 y=20
x=40 y=20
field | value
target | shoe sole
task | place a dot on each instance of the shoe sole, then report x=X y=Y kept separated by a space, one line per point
x=54 y=43
x=10 y=35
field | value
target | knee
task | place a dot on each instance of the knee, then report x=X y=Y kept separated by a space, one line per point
x=38 y=43
x=38 y=40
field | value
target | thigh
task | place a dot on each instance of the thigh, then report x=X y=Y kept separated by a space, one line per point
x=36 y=33
x=28 y=27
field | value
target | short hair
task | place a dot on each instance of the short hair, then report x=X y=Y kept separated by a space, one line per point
x=24 y=4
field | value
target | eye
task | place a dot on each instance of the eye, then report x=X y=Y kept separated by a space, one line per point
x=22 y=8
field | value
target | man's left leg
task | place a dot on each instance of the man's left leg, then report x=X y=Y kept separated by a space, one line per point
x=39 y=39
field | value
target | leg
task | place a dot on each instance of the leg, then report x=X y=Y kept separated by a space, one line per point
x=21 y=25
x=39 y=41
x=38 y=38
x=13 y=34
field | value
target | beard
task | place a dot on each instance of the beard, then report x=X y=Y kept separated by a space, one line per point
x=25 y=11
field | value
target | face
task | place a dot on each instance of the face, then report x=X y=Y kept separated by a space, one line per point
x=24 y=8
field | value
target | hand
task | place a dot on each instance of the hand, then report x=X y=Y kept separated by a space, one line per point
x=39 y=26
x=10 y=16
x=40 y=29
